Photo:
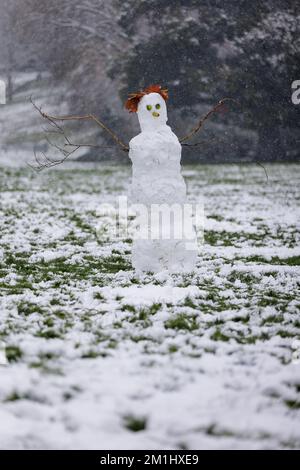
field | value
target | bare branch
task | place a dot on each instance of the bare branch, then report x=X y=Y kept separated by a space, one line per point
x=203 y=142
x=69 y=147
x=196 y=129
x=264 y=168
x=87 y=117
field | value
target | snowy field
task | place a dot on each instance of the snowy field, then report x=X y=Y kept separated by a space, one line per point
x=100 y=358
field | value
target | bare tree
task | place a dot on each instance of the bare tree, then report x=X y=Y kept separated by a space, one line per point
x=77 y=41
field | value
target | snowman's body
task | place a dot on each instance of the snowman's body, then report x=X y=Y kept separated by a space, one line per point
x=156 y=179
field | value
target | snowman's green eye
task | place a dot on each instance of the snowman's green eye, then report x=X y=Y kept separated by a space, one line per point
x=157 y=106
x=149 y=107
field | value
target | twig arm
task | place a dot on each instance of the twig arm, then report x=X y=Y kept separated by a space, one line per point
x=86 y=117
x=215 y=109
x=69 y=147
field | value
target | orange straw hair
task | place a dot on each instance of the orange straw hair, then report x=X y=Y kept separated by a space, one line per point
x=134 y=98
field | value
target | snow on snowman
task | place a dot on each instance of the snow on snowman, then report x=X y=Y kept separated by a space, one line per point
x=156 y=179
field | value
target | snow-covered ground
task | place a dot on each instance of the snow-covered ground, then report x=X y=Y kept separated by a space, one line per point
x=100 y=357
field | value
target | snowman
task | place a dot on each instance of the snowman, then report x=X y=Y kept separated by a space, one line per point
x=157 y=183
x=156 y=178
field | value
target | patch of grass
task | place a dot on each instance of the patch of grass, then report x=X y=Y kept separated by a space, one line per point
x=214 y=238
x=188 y=302
x=81 y=224
x=213 y=430
x=92 y=354
x=225 y=238
x=61 y=270
x=74 y=239
x=273 y=319
x=291 y=261
x=109 y=264
x=67 y=396
x=99 y=296
x=16 y=289
x=45 y=368
x=15 y=396
x=151 y=310
x=143 y=314
x=47 y=356
x=128 y=308
x=138 y=338
x=271 y=273
x=182 y=322
x=61 y=314
x=219 y=336
x=277 y=298
x=285 y=334
x=55 y=301
x=245 y=278
x=252 y=339
x=216 y=217
x=215 y=322
x=13 y=353
x=266 y=301
x=135 y=423
x=205 y=308
x=241 y=319
x=49 y=334
x=28 y=308
x=217 y=303
x=293 y=404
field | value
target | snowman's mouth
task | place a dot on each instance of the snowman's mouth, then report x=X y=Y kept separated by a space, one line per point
x=155 y=114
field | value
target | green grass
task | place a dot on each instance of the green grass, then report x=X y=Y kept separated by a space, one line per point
x=13 y=353
x=49 y=334
x=15 y=396
x=134 y=423
x=275 y=260
x=59 y=269
x=182 y=322
x=219 y=336
x=245 y=299
x=28 y=308
x=293 y=404
x=92 y=354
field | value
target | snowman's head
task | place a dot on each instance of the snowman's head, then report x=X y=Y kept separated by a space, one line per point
x=152 y=112
x=150 y=105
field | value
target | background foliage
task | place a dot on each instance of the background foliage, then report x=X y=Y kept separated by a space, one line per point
x=202 y=50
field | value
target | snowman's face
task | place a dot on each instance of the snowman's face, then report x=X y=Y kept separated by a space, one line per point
x=152 y=112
